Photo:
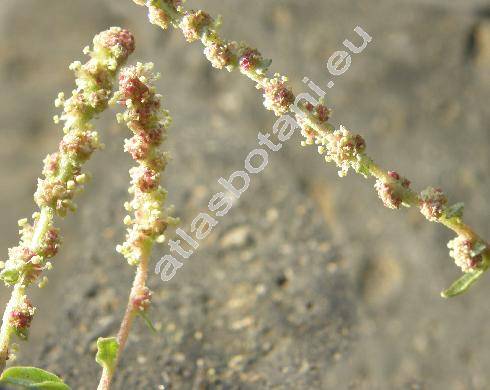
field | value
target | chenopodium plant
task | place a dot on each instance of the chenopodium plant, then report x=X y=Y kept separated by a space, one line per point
x=148 y=122
x=347 y=150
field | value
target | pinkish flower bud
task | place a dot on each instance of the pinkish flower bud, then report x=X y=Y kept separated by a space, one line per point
x=131 y=86
x=51 y=243
x=250 y=59
x=194 y=23
x=389 y=194
x=402 y=180
x=142 y=301
x=322 y=113
x=137 y=147
x=391 y=191
x=144 y=179
x=80 y=145
x=432 y=202
x=278 y=96
x=21 y=317
x=119 y=41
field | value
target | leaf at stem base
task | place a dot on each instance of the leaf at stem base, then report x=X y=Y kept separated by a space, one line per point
x=32 y=378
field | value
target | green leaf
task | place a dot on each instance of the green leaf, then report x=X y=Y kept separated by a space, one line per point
x=456 y=210
x=462 y=284
x=32 y=378
x=147 y=320
x=10 y=276
x=478 y=248
x=107 y=349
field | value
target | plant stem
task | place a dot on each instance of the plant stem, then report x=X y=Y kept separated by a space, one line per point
x=44 y=222
x=63 y=177
x=139 y=285
x=6 y=330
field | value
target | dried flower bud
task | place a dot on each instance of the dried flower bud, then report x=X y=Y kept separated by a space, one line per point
x=278 y=96
x=194 y=23
x=466 y=253
x=432 y=202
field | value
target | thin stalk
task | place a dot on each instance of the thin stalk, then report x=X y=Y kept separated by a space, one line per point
x=139 y=285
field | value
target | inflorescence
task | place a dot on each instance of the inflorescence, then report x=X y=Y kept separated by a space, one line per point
x=148 y=122
x=346 y=150
x=63 y=176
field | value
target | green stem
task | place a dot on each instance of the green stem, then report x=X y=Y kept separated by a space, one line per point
x=44 y=222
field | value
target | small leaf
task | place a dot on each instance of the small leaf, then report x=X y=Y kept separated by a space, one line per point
x=9 y=276
x=32 y=378
x=462 y=284
x=478 y=248
x=456 y=210
x=107 y=349
x=147 y=320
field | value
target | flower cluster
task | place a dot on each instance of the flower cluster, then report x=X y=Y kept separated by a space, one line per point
x=346 y=150
x=343 y=148
x=141 y=300
x=21 y=317
x=278 y=96
x=221 y=55
x=194 y=24
x=432 y=202
x=392 y=189
x=63 y=177
x=148 y=122
x=62 y=170
x=467 y=253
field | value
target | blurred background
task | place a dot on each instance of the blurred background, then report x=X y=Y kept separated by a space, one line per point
x=309 y=282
